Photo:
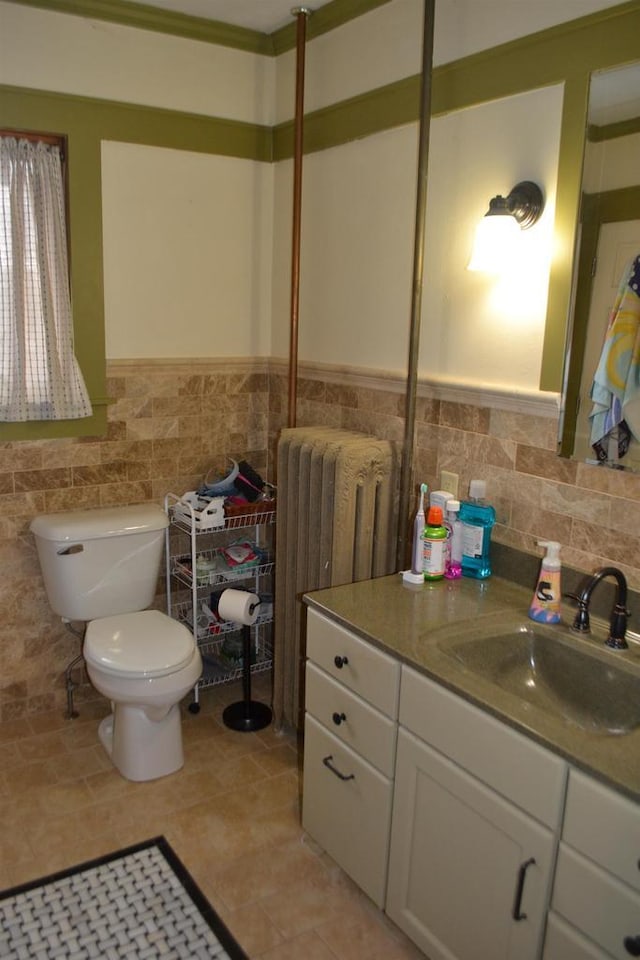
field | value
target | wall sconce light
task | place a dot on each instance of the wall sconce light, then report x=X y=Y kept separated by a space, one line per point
x=497 y=233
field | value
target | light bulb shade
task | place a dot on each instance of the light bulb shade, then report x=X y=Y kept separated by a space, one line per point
x=498 y=233
x=496 y=242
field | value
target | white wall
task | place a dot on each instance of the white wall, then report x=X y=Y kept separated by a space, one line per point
x=187 y=253
x=358 y=217
x=356 y=252
x=479 y=329
x=44 y=50
x=357 y=247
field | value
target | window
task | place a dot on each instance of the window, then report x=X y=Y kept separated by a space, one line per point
x=39 y=376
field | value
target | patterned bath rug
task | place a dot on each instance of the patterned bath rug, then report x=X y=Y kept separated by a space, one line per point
x=140 y=903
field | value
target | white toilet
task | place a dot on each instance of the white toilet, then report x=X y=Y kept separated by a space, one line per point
x=102 y=566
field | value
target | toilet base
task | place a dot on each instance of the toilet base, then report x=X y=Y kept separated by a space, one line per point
x=140 y=748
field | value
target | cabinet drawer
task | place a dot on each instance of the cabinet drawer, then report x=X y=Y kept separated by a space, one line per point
x=595 y=902
x=351 y=719
x=350 y=818
x=605 y=826
x=367 y=671
x=563 y=942
x=507 y=761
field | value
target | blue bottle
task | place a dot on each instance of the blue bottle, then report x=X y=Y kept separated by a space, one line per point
x=477 y=518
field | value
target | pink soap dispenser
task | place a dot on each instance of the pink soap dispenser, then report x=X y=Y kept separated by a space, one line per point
x=545 y=603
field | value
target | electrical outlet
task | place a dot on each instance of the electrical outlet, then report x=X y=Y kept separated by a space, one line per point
x=449 y=482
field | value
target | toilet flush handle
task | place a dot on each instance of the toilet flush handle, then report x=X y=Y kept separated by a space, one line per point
x=69 y=551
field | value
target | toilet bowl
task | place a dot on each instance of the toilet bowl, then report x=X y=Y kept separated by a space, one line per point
x=144 y=663
x=101 y=566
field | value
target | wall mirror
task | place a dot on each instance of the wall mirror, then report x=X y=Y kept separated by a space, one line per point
x=608 y=242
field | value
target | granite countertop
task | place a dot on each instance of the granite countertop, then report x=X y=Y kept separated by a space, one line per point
x=417 y=624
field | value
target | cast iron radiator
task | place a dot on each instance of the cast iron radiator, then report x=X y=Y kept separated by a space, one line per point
x=336 y=523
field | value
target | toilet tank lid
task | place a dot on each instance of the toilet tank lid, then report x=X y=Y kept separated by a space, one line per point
x=101 y=522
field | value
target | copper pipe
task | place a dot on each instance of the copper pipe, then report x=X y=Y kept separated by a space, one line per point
x=416 y=299
x=301 y=28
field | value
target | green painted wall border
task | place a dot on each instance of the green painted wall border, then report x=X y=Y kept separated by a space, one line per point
x=145 y=17
x=612 y=131
x=361 y=116
x=132 y=123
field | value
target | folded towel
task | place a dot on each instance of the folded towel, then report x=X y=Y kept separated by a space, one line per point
x=615 y=391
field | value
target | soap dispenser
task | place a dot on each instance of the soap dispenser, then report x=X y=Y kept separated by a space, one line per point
x=545 y=603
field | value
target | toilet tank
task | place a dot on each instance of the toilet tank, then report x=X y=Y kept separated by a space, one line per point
x=100 y=562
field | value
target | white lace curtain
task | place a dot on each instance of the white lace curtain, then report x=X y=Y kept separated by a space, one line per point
x=39 y=376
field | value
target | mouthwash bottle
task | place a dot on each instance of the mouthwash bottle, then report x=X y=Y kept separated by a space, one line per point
x=434 y=539
x=477 y=517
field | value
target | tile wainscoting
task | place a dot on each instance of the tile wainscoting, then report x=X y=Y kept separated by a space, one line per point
x=172 y=422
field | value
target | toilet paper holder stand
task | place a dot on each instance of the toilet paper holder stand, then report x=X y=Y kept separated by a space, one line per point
x=246 y=715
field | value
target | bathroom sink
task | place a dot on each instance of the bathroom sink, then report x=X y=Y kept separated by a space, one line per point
x=560 y=677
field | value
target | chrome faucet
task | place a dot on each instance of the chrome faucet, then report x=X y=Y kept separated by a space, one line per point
x=619 y=612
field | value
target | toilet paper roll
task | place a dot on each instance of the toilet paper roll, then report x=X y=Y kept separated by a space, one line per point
x=240 y=606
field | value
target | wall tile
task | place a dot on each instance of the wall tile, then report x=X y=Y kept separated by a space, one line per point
x=465 y=417
x=620 y=483
x=538 y=432
x=545 y=463
x=41 y=479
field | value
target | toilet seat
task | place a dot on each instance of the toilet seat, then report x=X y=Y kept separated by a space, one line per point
x=143 y=644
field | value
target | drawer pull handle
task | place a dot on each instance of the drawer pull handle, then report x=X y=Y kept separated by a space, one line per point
x=632 y=946
x=339 y=718
x=341 y=776
x=517 y=903
x=340 y=662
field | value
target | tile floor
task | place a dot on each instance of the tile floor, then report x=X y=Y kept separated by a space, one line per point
x=232 y=814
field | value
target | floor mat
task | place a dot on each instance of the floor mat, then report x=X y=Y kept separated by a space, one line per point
x=137 y=904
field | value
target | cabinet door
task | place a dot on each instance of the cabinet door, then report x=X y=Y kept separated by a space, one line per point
x=469 y=873
x=351 y=817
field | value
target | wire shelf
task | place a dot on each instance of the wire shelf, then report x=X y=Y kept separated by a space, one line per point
x=232 y=521
x=181 y=570
x=218 y=667
x=210 y=631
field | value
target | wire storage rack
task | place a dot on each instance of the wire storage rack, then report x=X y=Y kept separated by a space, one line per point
x=208 y=551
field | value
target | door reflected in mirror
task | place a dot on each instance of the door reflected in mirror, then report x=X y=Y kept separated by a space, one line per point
x=602 y=372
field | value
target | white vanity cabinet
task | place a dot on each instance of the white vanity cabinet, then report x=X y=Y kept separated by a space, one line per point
x=476 y=813
x=477 y=841
x=596 y=893
x=350 y=744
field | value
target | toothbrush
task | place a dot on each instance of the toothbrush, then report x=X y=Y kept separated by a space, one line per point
x=418 y=533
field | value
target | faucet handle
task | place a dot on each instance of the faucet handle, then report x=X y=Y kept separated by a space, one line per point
x=618 y=628
x=581 y=621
